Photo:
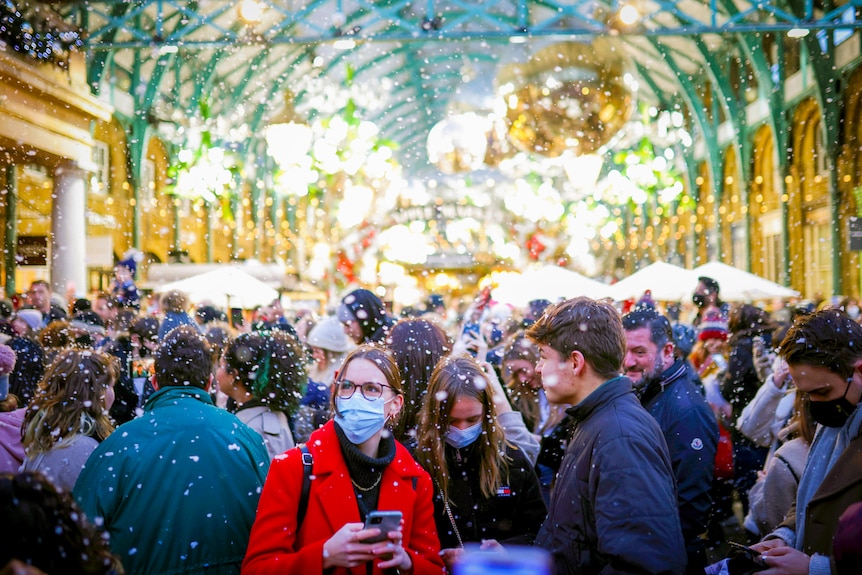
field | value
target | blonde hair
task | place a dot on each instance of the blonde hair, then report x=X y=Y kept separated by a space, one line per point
x=70 y=400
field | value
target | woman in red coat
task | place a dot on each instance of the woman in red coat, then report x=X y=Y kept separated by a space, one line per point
x=358 y=467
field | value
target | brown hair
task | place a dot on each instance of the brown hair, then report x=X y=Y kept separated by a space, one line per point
x=380 y=357
x=524 y=398
x=748 y=320
x=454 y=378
x=70 y=400
x=174 y=301
x=592 y=327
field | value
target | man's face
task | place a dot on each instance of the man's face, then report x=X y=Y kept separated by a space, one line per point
x=353 y=331
x=523 y=372
x=558 y=378
x=105 y=311
x=821 y=384
x=707 y=294
x=39 y=296
x=644 y=361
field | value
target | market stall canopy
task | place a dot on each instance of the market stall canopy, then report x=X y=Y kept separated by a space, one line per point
x=549 y=282
x=226 y=286
x=666 y=282
x=738 y=285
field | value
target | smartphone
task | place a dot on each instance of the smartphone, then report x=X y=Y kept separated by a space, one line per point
x=386 y=521
x=515 y=561
x=471 y=328
x=748 y=551
x=758 y=345
x=719 y=361
x=236 y=318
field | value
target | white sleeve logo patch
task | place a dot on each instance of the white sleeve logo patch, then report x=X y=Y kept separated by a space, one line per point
x=697 y=444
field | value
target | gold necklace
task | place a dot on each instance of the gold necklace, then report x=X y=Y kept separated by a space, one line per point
x=375 y=484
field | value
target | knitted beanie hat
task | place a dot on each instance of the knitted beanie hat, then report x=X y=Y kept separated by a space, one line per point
x=32 y=317
x=713 y=326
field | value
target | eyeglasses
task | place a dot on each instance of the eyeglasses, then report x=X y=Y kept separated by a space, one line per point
x=370 y=390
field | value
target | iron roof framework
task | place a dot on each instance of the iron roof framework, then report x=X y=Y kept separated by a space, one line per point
x=416 y=56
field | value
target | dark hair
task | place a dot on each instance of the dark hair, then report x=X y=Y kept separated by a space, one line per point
x=586 y=325
x=81 y=304
x=748 y=320
x=660 y=331
x=29 y=367
x=418 y=345
x=709 y=284
x=44 y=527
x=184 y=358
x=271 y=365
x=146 y=328
x=827 y=338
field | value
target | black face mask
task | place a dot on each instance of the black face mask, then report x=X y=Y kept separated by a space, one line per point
x=832 y=413
x=698 y=299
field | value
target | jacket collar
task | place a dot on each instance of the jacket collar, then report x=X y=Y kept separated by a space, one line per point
x=173 y=393
x=324 y=441
x=667 y=378
x=606 y=392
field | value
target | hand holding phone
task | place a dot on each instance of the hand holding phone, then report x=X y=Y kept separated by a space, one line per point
x=749 y=553
x=385 y=521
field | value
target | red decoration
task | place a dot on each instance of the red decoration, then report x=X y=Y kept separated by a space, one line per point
x=535 y=246
x=345 y=267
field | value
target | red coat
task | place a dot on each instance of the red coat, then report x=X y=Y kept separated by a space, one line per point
x=274 y=546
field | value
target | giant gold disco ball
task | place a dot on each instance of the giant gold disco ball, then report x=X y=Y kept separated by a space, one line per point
x=569 y=96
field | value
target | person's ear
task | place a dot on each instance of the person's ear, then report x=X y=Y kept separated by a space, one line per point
x=396 y=405
x=154 y=382
x=209 y=386
x=667 y=351
x=579 y=362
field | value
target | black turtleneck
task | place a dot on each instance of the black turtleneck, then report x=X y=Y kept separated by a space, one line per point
x=365 y=471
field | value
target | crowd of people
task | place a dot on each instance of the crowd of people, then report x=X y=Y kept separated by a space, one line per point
x=160 y=441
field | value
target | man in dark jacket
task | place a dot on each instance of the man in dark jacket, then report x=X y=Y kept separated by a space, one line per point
x=364 y=317
x=613 y=508
x=177 y=488
x=664 y=387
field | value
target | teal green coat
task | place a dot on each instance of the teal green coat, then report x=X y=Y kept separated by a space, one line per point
x=178 y=487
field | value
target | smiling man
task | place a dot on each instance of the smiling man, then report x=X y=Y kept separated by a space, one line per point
x=614 y=505
x=665 y=389
x=824 y=355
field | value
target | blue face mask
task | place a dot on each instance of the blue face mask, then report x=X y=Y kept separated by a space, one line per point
x=459 y=438
x=359 y=418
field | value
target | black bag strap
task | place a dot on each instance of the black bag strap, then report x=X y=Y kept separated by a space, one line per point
x=307 y=464
x=789 y=467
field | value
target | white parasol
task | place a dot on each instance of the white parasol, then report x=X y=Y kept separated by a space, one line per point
x=552 y=283
x=228 y=286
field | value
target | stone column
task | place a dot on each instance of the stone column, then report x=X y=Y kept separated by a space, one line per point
x=68 y=230
x=10 y=238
